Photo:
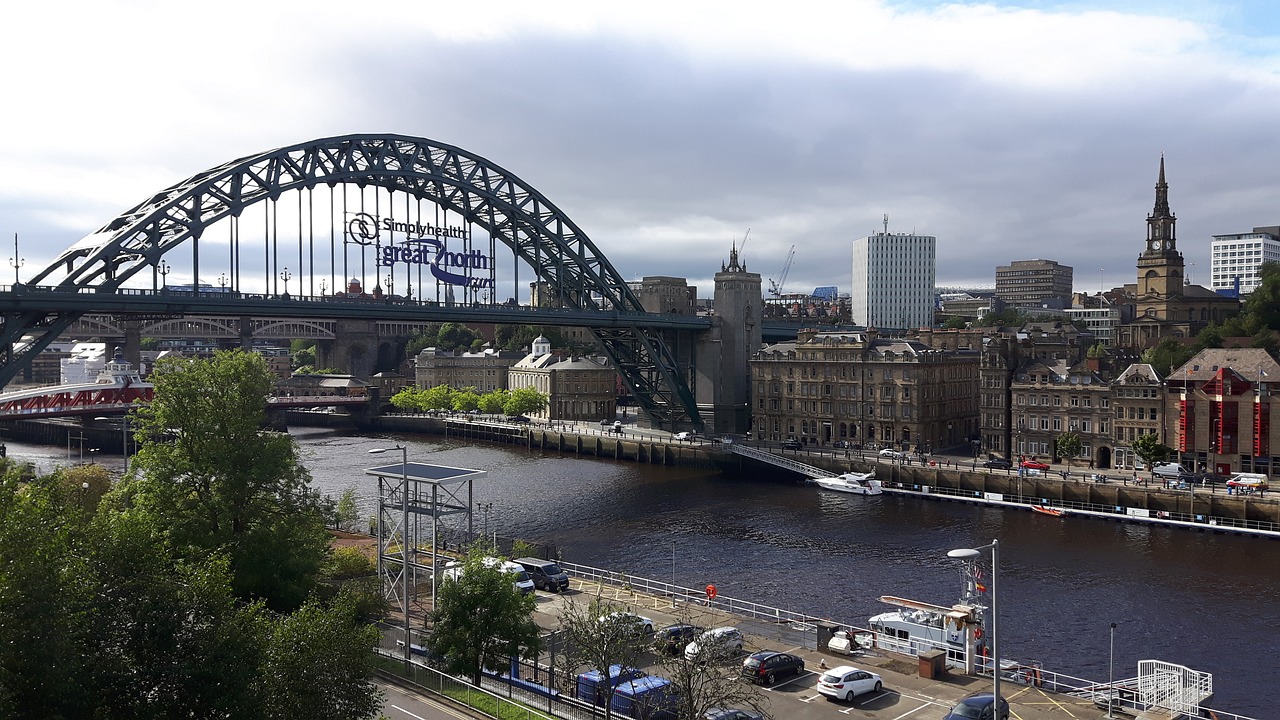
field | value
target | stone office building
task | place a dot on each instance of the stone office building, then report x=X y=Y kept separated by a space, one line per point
x=861 y=388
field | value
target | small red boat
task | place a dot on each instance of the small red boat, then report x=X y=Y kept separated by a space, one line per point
x=1043 y=510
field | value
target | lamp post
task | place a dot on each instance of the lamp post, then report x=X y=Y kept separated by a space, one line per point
x=222 y=281
x=391 y=283
x=163 y=268
x=673 y=568
x=968 y=554
x=124 y=435
x=285 y=275
x=485 y=508
x=1111 y=681
x=324 y=286
x=404 y=541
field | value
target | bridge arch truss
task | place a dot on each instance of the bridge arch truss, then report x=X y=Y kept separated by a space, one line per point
x=566 y=263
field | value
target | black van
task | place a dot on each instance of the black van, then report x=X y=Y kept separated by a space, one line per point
x=546 y=574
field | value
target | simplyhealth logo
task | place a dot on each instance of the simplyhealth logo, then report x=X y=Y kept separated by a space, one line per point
x=427 y=248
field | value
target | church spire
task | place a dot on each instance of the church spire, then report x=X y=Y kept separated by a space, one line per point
x=1161 y=235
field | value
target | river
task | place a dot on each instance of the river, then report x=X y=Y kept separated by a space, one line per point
x=1210 y=602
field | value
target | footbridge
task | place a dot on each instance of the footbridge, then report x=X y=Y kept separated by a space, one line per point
x=357 y=229
x=785 y=463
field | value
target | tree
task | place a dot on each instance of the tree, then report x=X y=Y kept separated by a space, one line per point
x=493 y=402
x=220 y=484
x=347 y=513
x=1151 y=451
x=481 y=620
x=1167 y=355
x=455 y=335
x=709 y=682
x=956 y=322
x=524 y=401
x=439 y=397
x=1068 y=445
x=466 y=400
x=599 y=635
x=319 y=664
x=422 y=340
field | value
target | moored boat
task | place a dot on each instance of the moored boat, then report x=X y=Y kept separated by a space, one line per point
x=856 y=483
x=1046 y=510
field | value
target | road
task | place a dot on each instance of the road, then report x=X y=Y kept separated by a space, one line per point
x=401 y=704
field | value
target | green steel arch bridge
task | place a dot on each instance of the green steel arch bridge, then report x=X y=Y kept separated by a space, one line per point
x=372 y=227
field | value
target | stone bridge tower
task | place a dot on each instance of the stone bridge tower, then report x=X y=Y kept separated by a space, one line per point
x=723 y=384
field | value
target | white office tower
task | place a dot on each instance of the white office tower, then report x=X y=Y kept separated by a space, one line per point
x=893 y=278
x=1238 y=257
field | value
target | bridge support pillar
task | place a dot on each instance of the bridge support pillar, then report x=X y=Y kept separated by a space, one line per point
x=133 y=343
x=724 y=352
x=354 y=348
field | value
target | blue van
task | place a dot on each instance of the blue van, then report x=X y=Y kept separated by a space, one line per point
x=593 y=689
x=646 y=698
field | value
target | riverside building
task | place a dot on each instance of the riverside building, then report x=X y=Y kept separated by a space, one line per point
x=860 y=388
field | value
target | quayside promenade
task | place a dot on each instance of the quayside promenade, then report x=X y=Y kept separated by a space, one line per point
x=909 y=689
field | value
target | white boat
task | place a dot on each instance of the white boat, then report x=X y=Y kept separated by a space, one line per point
x=917 y=626
x=856 y=483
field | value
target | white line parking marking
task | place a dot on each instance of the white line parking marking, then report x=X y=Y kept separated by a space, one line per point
x=912 y=711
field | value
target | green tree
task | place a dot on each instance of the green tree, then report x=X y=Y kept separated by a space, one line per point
x=481 y=620
x=439 y=397
x=409 y=399
x=222 y=484
x=1168 y=355
x=46 y=602
x=956 y=322
x=493 y=402
x=466 y=400
x=599 y=635
x=1150 y=450
x=305 y=357
x=319 y=664
x=455 y=335
x=524 y=401
x=1068 y=446
x=422 y=340
x=347 y=513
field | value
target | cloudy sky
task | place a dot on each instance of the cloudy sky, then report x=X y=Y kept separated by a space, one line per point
x=666 y=130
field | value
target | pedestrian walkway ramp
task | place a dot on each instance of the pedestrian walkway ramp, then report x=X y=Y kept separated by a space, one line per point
x=779 y=461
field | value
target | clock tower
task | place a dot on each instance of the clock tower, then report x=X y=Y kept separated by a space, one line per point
x=1160 y=266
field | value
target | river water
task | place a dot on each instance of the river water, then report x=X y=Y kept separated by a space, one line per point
x=1210 y=602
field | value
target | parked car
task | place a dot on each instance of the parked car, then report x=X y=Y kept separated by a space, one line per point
x=673 y=638
x=546 y=574
x=719 y=714
x=606 y=423
x=1034 y=464
x=716 y=644
x=454 y=571
x=791 y=444
x=846 y=681
x=890 y=454
x=978 y=706
x=997 y=464
x=684 y=435
x=767 y=666
x=640 y=624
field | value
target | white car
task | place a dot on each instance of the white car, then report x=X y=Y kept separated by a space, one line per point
x=720 y=643
x=641 y=624
x=890 y=454
x=519 y=576
x=846 y=681
x=686 y=435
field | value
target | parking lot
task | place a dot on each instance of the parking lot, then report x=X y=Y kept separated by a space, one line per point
x=904 y=693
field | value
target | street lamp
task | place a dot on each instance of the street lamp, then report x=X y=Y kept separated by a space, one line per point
x=1111 y=675
x=485 y=508
x=285 y=275
x=222 y=281
x=163 y=268
x=404 y=541
x=969 y=554
x=124 y=435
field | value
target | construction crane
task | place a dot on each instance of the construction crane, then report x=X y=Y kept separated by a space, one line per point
x=775 y=288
